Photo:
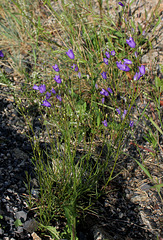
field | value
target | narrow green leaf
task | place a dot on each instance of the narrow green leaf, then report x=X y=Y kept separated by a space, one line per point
x=132 y=24
x=145 y=170
x=158 y=22
x=98 y=120
x=156 y=126
x=140 y=28
x=52 y=230
x=158 y=186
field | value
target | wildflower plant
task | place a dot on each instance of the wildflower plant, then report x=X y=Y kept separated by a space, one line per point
x=76 y=96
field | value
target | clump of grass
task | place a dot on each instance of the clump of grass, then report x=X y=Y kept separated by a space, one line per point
x=84 y=77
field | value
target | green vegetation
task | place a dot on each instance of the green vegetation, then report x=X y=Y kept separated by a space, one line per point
x=69 y=58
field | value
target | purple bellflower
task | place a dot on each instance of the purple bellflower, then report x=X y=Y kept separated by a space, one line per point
x=133 y=30
x=122 y=67
x=124 y=114
x=56 y=68
x=57 y=79
x=59 y=98
x=35 y=87
x=104 y=92
x=121 y=4
x=70 y=54
x=131 y=106
x=131 y=124
x=79 y=74
x=1 y=54
x=75 y=67
x=105 y=61
x=118 y=111
x=109 y=90
x=137 y=76
x=105 y=123
x=46 y=103
x=143 y=33
x=112 y=53
x=142 y=69
x=53 y=91
x=107 y=54
x=103 y=100
x=48 y=95
x=103 y=74
x=131 y=42
x=96 y=86
x=136 y=54
x=42 y=88
x=127 y=61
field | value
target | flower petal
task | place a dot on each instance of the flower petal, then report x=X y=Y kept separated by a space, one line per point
x=56 y=68
x=70 y=54
x=46 y=103
x=131 y=42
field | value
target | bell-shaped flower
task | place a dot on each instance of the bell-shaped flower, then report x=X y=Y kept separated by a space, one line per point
x=122 y=67
x=46 y=103
x=124 y=114
x=57 y=79
x=103 y=100
x=79 y=74
x=104 y=92
x=105 y=61
x=142 y=69
x=105 y=123
x=42 y=88
x=107 y=54
x=75 y=67
x=137 y=76
x=121 y=4
x=112 y=53
x=53 y=91
x=1 y=54
x=103 y=74
x=70 y=54
x=48 y=95
x=131 y=124
x=127 y=61
x=143 y=33
x=59 y=98
x=56 y=68
x=109 y=90
x=118 y=111
x=35 y=87
x=131 y=42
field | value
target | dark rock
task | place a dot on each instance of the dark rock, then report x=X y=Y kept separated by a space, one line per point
x=8 y=70
x=30 y=225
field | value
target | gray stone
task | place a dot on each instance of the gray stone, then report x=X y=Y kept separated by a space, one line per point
x=21 y=215
x=30 y=225
x=19 y=230
x=1 y=231
x=8 y=70
x=35 y=193
x=145 y=187
x=100 y=234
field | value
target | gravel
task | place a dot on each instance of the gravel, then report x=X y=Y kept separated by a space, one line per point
x=15 y=155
